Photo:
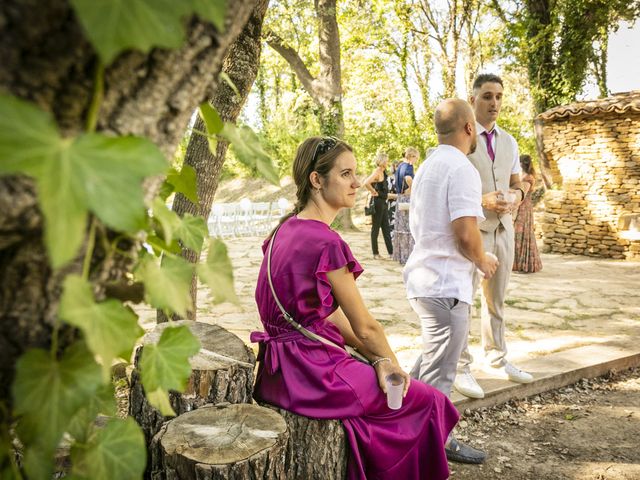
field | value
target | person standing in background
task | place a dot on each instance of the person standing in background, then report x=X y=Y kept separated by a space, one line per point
x=526 y=258
x=497 y=160
x=378 y=188
x=402 y=239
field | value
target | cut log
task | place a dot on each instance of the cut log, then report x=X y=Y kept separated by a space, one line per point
x=223 y=442
x=317 y=449
x=221 y=372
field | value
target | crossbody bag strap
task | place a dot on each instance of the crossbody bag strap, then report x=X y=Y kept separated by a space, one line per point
x=307 y=333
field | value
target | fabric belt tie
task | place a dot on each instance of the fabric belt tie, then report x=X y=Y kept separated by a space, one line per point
x=269 y=356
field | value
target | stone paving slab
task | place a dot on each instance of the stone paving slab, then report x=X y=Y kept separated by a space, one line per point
x=552 y=371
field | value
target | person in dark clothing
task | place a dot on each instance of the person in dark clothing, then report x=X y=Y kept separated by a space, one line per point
x=378 y=187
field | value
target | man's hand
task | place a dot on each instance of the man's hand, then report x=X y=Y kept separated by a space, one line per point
x=495 y=202
x=488 y=266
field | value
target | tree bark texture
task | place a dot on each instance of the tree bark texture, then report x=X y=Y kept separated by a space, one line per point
x=46 y=59
x=224 y=442
x=241 y=65
x=317 y=449
x=221 y=372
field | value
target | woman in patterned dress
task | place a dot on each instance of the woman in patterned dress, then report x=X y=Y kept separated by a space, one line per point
x=527 y=258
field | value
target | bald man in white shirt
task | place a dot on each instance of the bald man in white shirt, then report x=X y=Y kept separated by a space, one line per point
x=445 y=210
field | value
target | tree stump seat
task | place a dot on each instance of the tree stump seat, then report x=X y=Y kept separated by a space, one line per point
x=317 y=449
x=221 y=442
x=221 y=372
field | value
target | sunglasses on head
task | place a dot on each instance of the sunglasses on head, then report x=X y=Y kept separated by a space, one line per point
x=325 y=145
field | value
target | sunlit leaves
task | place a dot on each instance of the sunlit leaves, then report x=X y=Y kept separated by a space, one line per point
x=169 y=221
x=110 y=329
x=116 y=450
x=113 y=26
x=192 y=231
x=165 y=365
x=90 y=172
x=184 y=182
x=247 y=148
x=217 y=273
x=211 y=118
x=47 y=393
x=167 y=286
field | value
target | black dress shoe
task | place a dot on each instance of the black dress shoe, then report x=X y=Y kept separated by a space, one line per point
x=462 y=453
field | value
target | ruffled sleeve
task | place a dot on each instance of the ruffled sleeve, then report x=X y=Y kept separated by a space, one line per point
x=335 y=255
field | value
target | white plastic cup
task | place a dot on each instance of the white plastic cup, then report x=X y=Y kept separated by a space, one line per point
x=509 y=196
x=488 y=254
x=395 y=387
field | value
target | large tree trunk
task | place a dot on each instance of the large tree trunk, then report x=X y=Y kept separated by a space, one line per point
x=47 y=59
x=241 y=65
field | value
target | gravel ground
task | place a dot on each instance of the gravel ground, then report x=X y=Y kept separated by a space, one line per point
x=589 y=430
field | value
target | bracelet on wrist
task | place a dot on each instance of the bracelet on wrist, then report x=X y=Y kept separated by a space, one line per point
x=380 y=360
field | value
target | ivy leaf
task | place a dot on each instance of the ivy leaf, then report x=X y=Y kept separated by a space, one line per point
x=211 y=118
x=167 y=286
x=214 y=11
x=47 y=393
x=246 y=146
x=113 y=26
x=110 y=329
x=184 y=182
x=165 y=366
x=74 y=175
x=115 y=451
x=159 y=246
x=217 y=273
x=168 y=219
x=111 y=171
x=103 y=402
x=192 y=232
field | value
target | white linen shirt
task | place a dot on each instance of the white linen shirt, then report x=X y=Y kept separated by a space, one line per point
x=515 y=163
x=446 y=187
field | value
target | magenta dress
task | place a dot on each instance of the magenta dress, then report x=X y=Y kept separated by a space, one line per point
x=315 y=380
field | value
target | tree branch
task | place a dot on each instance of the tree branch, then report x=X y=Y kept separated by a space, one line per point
x=294 y=61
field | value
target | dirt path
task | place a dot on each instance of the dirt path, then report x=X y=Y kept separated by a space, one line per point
x=590 y=430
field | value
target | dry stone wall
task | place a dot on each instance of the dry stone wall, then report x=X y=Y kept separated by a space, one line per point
x=594 y=159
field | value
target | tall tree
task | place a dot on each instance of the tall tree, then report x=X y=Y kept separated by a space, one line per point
x=561 y=41
x=241 y=66
x=48 y=60
x=326 y=88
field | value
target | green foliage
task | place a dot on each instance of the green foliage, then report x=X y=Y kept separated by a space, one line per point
x=75 y=175
x=114 y=26
x=184 y=181
x=47 y=394
x=167 y=285
x=217 y=273
x=116 y=450
x=165 y=366
x=110 y=329
x=63 y=392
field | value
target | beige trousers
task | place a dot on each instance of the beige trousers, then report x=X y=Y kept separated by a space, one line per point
x=492 y=323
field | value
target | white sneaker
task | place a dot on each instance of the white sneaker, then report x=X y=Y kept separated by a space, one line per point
x=467 y=385
x=510 y=372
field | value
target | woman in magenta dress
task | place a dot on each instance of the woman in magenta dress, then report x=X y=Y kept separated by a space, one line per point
x=526 y=258
x=314 y=273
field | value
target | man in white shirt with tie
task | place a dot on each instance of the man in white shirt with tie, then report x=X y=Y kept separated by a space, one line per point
x=497 y=161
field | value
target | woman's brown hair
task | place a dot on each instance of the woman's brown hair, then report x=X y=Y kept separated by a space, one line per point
x=527 y=164
x=315 y=154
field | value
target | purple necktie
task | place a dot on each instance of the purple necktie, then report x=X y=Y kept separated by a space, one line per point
x=489 y=137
